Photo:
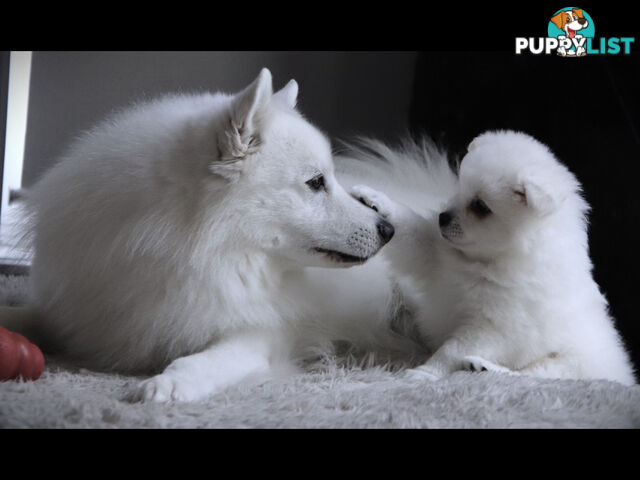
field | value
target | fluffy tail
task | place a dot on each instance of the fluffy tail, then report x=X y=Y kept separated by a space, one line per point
x=416 y=172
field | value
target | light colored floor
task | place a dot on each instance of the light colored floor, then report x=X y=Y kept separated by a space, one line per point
x=12 y=249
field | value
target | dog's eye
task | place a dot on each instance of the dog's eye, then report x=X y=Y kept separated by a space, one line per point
x=479 y=208
x=316 y=183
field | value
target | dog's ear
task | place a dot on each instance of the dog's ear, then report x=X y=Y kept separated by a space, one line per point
x=288 y=94
x=578 y=12
x=241 y=136
x=558 y=20
x=480 y=140
x=537 y=196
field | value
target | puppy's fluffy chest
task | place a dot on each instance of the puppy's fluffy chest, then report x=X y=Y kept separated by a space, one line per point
x=508 y=299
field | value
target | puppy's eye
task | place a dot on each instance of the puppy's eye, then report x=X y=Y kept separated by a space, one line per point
x=479 y=208
x=316 y=183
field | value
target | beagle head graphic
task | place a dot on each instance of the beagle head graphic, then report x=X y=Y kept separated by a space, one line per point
x=570 y=21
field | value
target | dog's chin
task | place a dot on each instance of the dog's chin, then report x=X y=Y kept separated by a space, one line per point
x=340 y=259
x=457 y=245
x=470 y=251
x=453 y=241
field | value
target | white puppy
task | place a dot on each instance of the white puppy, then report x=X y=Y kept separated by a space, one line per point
x=504 y=273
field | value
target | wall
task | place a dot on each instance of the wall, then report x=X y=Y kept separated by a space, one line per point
x=343 y=93
x=4 y=88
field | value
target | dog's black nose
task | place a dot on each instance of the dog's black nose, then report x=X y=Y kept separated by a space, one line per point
x=385 y=230
x=445 y=219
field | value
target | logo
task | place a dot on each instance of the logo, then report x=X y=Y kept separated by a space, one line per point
x=571 y=34
x=572 y=27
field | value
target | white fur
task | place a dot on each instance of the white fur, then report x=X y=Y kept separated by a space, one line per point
x=180 y=234
x=512 y=290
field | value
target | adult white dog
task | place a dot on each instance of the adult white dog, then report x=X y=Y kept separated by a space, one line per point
x=503 y=275
x=179 y=235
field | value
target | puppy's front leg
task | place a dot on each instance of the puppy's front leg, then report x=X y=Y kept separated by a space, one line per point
x=401 y=216
x=446 y=360
x=221 y=365
x=471 y=348
x=414 y=233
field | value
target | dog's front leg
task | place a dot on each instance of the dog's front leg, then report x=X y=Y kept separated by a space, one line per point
x=225 y=363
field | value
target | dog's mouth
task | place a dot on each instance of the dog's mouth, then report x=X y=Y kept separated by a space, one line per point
x=571 y=32
x=451 y=233
x=454 y=241
x=340 y=256
x=451 y=240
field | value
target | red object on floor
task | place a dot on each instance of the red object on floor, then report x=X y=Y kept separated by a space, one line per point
x=19 y=357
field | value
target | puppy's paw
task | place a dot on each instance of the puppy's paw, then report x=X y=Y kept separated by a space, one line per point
x=421 y=374
x=479 y=364
x=374 y=199
x=168 y=387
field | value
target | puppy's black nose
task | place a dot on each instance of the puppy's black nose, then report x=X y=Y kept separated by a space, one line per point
x=385 y=230
x=445 y=219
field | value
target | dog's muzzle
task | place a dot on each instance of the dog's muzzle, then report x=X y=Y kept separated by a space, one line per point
x=362 y=244
x=449 y=226
x=444 y=219
x=365 y=242
x=385 y=231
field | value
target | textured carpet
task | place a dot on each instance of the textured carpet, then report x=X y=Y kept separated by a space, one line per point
x=337 y=392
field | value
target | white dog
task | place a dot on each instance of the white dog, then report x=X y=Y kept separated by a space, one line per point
x=177 y=235
x=503 y=275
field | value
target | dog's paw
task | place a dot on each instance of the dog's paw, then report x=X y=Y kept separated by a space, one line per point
x=479 y=364
x=421 y=374
x=374 y=199
x=168 y=387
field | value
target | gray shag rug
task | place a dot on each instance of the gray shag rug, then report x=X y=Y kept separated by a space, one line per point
x=336 y=392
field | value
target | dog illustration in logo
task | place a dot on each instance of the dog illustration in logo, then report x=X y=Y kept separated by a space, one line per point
x=570 y=22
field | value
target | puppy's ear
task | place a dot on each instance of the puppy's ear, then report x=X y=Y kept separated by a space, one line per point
x=241 y=136
x=288 y=94
x=485 y=138
x=578 y=12
x=476 y=142
x=558 y=20
x=535 y=195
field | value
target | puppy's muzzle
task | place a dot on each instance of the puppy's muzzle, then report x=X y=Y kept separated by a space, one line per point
x=444 y=219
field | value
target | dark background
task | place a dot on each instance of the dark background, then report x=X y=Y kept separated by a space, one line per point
x=587 y=110
x=71 y=90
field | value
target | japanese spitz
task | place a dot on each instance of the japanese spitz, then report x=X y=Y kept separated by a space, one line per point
x=503 y=276
x=180 y=238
